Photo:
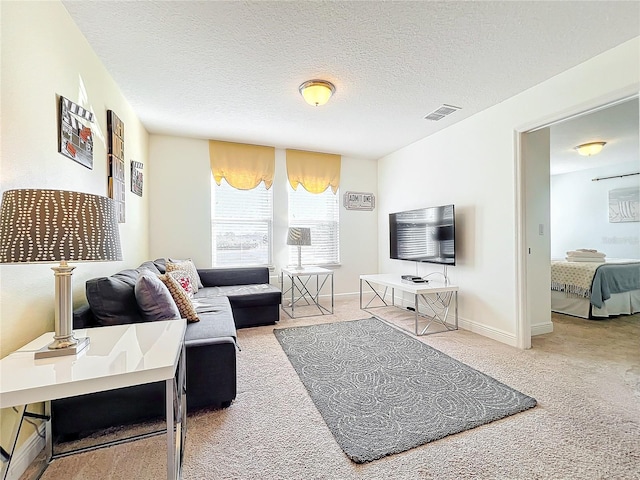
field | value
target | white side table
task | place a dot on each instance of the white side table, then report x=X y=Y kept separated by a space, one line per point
x=118 y=356
x=300 y=290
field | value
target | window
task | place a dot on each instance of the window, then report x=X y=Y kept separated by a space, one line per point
x=320 y=212
x=241 y=225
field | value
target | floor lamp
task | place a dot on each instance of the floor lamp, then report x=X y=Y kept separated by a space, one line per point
x=299 y=236
x=59 y=226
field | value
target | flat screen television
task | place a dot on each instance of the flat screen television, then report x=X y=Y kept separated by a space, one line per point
x=424 y=235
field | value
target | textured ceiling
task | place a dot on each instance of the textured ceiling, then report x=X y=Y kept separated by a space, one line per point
x=231 y=70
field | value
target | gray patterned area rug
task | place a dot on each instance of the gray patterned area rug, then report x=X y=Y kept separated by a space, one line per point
x=381 y=391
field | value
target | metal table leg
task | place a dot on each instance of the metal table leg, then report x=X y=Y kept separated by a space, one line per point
x=176 y=413
x=6 y=456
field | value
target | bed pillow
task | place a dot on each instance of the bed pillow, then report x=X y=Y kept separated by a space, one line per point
x=183 y=302
x=190 y=267
x=154 y=299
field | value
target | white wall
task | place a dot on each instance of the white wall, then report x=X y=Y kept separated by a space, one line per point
x=580 y=212
x=45 y=55
x=180 y=210
x=472 y=164
x=535 y=147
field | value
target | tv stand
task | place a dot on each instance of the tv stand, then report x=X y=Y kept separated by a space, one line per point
x=434 y=298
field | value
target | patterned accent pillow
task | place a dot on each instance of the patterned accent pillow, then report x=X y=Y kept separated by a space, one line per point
x=183 y=278
x=183 y=302
x=189 y=267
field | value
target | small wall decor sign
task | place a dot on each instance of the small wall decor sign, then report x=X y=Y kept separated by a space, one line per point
x=359 y=201
x=115 y=153
x=136 y=177
x=624 y=205
x=76 y=139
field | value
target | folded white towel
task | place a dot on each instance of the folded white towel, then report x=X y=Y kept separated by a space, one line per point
x=585 y=259
x=585 y=254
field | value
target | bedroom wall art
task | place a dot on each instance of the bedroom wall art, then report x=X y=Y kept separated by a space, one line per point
x=76 y=139
x=624 y=205
x=136 y=177
x=115 y=129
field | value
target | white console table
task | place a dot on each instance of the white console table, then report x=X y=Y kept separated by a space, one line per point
x=117 y=356
x=435 y=297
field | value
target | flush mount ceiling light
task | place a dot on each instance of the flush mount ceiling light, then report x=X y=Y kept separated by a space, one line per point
x=591 y=148
x=317 y=92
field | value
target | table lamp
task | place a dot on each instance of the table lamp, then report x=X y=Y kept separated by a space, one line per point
x=299 y=236
x=59 y=226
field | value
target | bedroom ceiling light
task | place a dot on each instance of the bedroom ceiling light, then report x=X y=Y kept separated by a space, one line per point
x=317 y=92
x=591 y=148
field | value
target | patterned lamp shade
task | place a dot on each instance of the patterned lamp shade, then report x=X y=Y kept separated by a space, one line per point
x=56 y=225
x=299 y=236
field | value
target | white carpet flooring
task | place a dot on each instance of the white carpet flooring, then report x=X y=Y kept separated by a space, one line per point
x=585 y=377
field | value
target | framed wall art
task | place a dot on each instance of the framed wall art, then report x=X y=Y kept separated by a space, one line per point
x=115 y=153
x=136 y=177
x=624 y=205
x=76 y=138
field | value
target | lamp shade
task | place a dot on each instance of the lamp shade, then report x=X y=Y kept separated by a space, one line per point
x=299 y=236
x=57 y=225
x=592 y=148
x=317 y=92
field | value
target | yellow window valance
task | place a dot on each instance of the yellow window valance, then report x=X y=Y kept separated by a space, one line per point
x=314 y=171
x=243 y=166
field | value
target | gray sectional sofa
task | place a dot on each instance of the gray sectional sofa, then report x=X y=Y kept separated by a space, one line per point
x=230 y=298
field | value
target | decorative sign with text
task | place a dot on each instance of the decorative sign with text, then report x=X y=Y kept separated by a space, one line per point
x=359 y=201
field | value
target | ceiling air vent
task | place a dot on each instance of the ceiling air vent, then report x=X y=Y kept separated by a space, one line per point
x=441 y=112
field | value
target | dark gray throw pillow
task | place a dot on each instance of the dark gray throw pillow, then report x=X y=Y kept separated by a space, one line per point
x=154 y=299
x=112 y=299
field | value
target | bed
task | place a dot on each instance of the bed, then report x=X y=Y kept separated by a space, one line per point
x=595 y=290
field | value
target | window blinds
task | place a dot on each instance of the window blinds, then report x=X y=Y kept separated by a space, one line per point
x=320 y=212
x=241 y=225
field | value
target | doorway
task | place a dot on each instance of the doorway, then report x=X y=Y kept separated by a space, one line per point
x=533 y=255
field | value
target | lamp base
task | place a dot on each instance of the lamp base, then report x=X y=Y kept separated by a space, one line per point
x=46 y=352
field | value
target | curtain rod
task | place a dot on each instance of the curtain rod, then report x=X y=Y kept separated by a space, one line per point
x=614 y=176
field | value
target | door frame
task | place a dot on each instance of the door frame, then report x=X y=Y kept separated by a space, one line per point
x=523 y=325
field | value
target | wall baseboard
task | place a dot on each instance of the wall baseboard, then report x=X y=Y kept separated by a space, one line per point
x=541 y=328
x=465 y=324
x=486 y=331
x=347 y=295
x=27 y=453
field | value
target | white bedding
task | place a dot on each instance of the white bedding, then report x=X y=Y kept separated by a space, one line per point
x=619 y=304
x=570 y=292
